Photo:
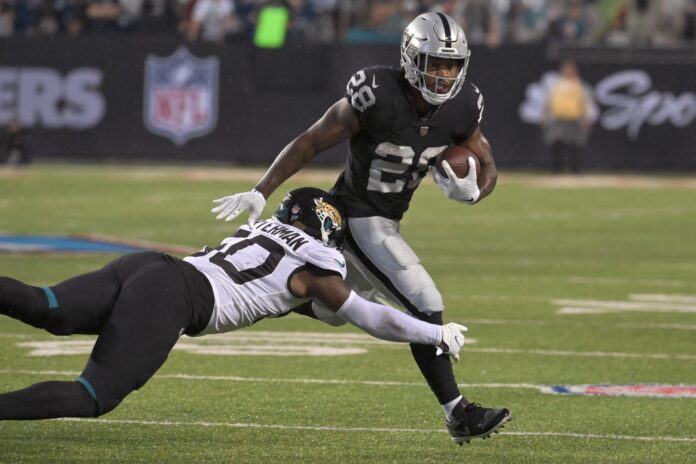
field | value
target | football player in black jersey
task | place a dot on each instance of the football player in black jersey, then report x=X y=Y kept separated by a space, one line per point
x=398 y=121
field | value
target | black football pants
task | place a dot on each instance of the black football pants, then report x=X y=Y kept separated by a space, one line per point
x=138 y=305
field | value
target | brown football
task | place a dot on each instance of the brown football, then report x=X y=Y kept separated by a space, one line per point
x=457 y=156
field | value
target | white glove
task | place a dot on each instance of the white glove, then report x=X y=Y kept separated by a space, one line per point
x=463 y=189
x=232 y=206
x=453 y=337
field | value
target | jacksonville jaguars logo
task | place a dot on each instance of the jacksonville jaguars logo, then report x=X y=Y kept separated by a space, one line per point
x=329 y=217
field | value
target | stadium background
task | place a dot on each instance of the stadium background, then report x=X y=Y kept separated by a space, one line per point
x=569 y=284
x=642 y=72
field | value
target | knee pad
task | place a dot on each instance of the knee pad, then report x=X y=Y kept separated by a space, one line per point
x=418 y=286
x=428 y=300
x=412 y=286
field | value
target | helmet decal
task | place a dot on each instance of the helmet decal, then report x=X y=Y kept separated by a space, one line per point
x=315 y=212
x=329 y=217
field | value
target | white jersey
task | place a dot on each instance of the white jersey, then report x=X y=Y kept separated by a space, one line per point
x=250 y=272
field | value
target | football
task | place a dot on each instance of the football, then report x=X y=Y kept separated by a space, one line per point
x=456 y=156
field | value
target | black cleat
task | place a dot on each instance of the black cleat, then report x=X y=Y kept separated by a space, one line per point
x=474 y=421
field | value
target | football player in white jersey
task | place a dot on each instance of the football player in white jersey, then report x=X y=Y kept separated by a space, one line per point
x=398 y=120
x=140 y=304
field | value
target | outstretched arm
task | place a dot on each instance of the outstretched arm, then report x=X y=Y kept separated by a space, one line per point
x=387 y=323
x=337 y=124
x=378 y=320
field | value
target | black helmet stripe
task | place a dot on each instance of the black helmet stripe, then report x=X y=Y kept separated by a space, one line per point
x=448 y=31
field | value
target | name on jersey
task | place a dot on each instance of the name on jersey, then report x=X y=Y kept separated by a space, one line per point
x=293 y=238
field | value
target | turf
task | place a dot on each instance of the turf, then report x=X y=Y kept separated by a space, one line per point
x=505 y=268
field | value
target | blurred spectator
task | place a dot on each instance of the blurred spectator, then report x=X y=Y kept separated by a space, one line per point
x=72 y=15
x=315 y=19
x=568 y=118
x=246 y=12
x=667 y=18
x=481 y=20
x=385 y=23
x=7 y=18
x=130 y=14
x=46 y=22
x=102 y=15
x=689 y=31
x=660 y=23
x=212 y=20
x=526 y=21
x=26 y=15
x=640 y=21
x=571 y=21
x=12 y=150
x=611 y=22
x=159 y=16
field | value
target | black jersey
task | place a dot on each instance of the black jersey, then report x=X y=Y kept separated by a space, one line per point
x=396 y=146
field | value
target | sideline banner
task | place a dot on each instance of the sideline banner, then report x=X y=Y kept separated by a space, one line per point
x=159 y=99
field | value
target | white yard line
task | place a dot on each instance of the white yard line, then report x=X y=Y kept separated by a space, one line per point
x=234 y=378
x=680 y=299
x=14 y=335
x=77 y=347
x=643 y=303
x=585 y=280
x=380 y=383
x=619 y=325
x=319 y=428
x=632 y=305
x=586 y=354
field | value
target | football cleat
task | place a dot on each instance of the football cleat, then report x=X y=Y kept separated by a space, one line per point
x=473 y=421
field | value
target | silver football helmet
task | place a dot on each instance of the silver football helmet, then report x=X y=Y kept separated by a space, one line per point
x=433 y=35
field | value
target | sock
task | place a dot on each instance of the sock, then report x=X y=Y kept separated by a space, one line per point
x=437 y=370
x=47 y=400
x=449 y=407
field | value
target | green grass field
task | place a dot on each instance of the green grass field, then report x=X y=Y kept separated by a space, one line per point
x=531 y=270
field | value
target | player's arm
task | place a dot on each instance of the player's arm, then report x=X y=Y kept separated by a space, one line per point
x=488 y=177
x=378 y=320
x=337 y=124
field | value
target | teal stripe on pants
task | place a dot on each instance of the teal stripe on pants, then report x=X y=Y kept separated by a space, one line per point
x=52 y=301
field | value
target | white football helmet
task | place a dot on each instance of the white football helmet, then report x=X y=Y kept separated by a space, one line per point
x=433 y=35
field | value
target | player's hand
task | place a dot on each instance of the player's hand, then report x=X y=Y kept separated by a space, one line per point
x=232 y=206
x=465 y=189
x=452 y=340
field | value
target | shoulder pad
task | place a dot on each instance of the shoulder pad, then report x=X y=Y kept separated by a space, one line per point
x=327 y=258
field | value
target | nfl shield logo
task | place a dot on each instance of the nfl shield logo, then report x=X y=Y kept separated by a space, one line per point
x=181 y=92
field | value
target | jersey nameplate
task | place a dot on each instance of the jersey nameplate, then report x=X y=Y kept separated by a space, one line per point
x=293 y=238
